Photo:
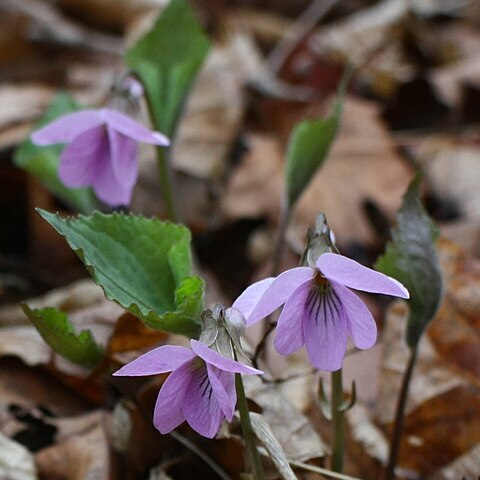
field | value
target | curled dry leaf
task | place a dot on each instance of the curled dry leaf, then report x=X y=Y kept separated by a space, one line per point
x=264 y=433
x=443 y=420
x=363 y=165
x=297 y=437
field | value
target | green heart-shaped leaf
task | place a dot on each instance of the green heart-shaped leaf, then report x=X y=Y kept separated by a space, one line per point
x=142 y=264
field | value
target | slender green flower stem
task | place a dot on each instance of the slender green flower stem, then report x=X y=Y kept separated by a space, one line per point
x=400 y=415
x=248 y=436
x=338 y=422
x=166 y=183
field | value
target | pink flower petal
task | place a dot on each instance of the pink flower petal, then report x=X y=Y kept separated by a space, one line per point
x=83 y=159
x=351 y=274
x=130 y=128
x=278 y=292
x=325 y=331
x=124 y=159
x=107 y=188
x=223 y=384
x=67 y=127
x=248 y=300
x=200 y=406
x=159 y=360
x=168 y=413
x=289 y=337
x=223 y=363
x=360 y=324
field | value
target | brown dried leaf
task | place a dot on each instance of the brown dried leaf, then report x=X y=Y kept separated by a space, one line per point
x=451 y=167
x=443 y=420
x=25 y=389
x=367 y=446
x=111 y=14
x=362 y=33
x=82 y=451
x=131 y=334
x=293 y=430
x=362 y=165
x=88 y=309
x=23 y=103
x=465 y=467
x=215 y=108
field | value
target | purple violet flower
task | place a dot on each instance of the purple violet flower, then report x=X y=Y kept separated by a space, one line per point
x=102 y=151
x=200 y=389
x=319 y=310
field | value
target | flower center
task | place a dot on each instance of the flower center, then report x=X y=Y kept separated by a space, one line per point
x=321 y=283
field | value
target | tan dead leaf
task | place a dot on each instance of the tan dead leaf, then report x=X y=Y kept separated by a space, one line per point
x=254 y=189
x=87 y=309
x=443 y=410
x=431 y=8
x=292 y=429
x=455 y=332
x=83 y=453
x=367 y=446
x=372 y=39
x=457 y=44
x=132 y=430
x=111 y=14
x=363 y=165
x=451 y=167
x=441 y=429
x=431 y=377
x=465 y=467
x=360 y=34
x=28 y=388
x=16 y=462
x=23 y=103
x=215 y=108
x=131 y=334
x=75 y=296
x=158 y=473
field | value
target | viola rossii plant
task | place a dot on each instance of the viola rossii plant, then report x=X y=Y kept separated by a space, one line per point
x=145 y=265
